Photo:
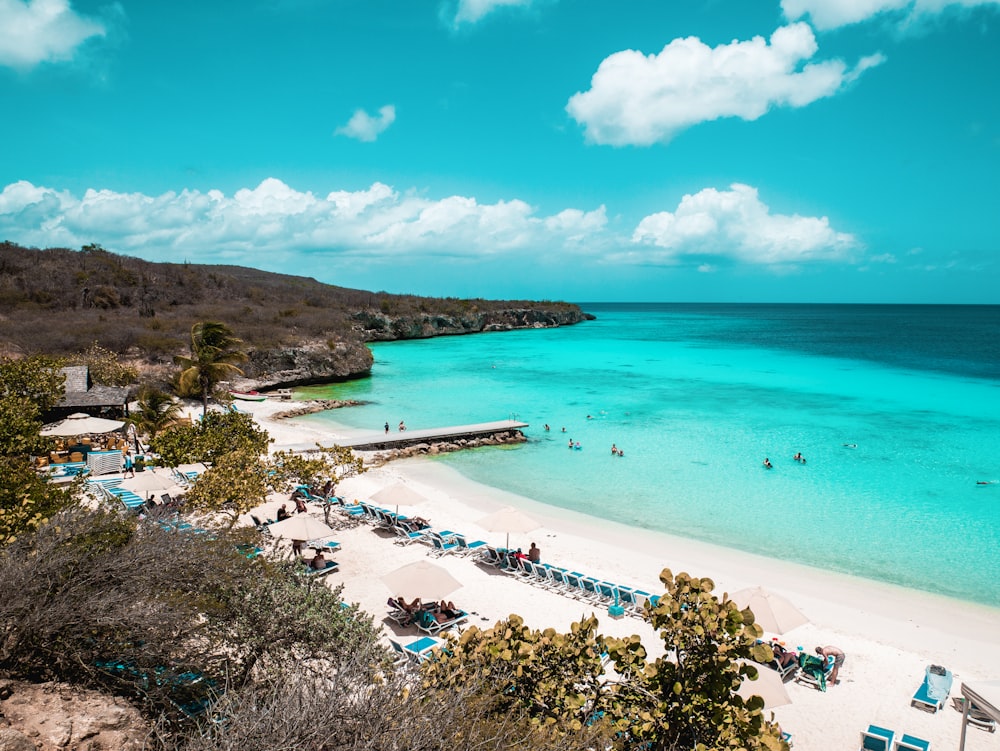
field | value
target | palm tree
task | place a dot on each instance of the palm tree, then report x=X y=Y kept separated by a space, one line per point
x=155 y=411
x=213 y=354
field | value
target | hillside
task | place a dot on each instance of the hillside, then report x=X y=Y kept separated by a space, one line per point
x=298 y=330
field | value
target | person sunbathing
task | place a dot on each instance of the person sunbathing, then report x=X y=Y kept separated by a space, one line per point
x=318 y=562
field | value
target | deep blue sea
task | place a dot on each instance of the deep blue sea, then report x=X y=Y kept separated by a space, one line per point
x=896 y=410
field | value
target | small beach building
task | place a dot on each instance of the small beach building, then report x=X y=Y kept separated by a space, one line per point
x=83 y=395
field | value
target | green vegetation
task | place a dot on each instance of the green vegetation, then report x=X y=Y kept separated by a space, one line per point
x=27 y=388
x=214 y=354
x=155 y=411
x=683 y=700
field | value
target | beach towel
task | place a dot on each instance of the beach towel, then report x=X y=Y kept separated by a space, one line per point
x=815 y=668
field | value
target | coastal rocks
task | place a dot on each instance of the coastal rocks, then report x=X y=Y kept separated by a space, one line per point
x=443 y=447
x=50 y=716
x=307 y=363
x=317 y=405
x=376 y=326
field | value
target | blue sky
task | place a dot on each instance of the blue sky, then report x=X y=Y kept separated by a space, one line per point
x=722 y=150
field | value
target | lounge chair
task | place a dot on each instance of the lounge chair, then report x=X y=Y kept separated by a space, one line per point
x=325 y=546
x=933 y=692
x=814 y=670
x=415 y=652
x=467 y=548
x=426 y=622
x=977 y=717
x=911 y=743
x=330 y=567
x=876 y=739
x=440 y=545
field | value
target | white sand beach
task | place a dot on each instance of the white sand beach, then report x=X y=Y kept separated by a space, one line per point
x=889 y=634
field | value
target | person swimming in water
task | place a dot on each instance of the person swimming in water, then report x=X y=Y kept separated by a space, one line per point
x=767 y=463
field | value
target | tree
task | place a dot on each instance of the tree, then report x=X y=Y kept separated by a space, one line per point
x=214 y=436
x=685 y=699
x=27 y=501
x=155 y=411
x=213 y=358
x=333 y=464
x=235 y=483
x=555 y=679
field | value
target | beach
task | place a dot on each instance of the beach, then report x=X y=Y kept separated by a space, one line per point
x=889 y=634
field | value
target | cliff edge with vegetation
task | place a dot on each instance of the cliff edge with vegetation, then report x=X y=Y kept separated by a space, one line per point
x=296 y=330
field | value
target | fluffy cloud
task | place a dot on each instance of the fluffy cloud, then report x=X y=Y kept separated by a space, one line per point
x=735 y=224
x=471 y=11
x=35 y=31
x=364 y=127
x=637 y=99
x=273 y=225
x=831 y=14
x=255 y=224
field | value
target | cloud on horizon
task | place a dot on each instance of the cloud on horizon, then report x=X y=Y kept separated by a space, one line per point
x=832 y=14
x=638 y=100
x=736 y=225
x=258 y=226
x=37 y=31
x=364 y=127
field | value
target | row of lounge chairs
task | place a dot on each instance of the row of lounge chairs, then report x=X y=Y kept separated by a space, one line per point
x=574 y=584
x=111 y=490
x=408 y=531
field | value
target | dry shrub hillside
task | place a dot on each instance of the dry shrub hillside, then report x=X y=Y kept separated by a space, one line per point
x=59 y=301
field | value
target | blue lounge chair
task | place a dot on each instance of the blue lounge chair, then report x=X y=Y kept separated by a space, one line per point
x=330 y=567
x=876 y=739
x=933 y=692
x=911 y=743
x=814 y=670
x=415 y=652
x=441 y=545
x=467 y=548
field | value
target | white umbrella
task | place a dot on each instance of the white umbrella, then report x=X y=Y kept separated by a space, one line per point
x=771 y=611
x=81 y=423
x=300 y=527
x=422 y=579
x=398 y=494
x=508 y=520
x=768 y=687
x=148 y=481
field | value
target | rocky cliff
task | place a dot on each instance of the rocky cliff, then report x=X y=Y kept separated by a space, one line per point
x=329 y=361
x=374 y=326
x=308 y=363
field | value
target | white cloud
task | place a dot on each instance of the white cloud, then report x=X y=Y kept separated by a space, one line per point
x=364 y=127
x=473 y=11
x=735 y=224
x=274 y=225
x=256 y=223
x=36 y=31
x=637 y=99
x=831 y=14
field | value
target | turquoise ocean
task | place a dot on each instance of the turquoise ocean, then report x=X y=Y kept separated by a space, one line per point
x=896 y=410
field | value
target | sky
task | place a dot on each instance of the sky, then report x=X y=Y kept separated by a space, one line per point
x=581 y=150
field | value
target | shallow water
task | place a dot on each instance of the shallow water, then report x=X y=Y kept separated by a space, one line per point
x=895 y=408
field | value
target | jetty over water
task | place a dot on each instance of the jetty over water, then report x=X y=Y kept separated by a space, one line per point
x=381 y=441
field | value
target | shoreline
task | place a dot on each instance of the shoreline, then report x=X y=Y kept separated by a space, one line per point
x=890 y=634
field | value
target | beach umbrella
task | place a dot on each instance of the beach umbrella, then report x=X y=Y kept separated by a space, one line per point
x=80 y=423
x=300 y=527
x=508 y=520
x=768 y=687
x=422 y=579
x=771 y=611
x=398 y=494
x=148 y=481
